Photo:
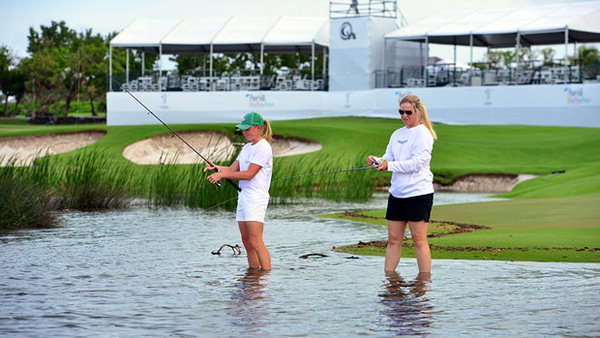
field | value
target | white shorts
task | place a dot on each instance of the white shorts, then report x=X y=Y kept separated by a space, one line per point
x=251 y=208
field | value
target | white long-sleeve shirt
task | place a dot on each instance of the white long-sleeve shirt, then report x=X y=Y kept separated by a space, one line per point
x=408 y=155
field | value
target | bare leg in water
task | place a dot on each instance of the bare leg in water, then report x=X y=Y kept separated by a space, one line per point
x=256 y=250
x=393 y=252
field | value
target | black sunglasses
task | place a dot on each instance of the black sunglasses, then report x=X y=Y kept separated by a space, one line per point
x=407 y=112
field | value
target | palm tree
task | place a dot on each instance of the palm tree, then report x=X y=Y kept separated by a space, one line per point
x=589 y=59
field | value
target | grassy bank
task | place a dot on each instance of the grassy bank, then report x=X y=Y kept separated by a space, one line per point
x=555 y=229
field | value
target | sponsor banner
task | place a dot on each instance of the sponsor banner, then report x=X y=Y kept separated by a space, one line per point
x=552 y=105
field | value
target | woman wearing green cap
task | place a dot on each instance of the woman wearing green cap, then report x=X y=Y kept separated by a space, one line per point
x=253 y=168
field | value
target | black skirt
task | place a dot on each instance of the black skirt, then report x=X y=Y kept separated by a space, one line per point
x=414 y=209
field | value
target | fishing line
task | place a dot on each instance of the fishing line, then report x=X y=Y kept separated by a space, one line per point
x=325 y=173
x=295 y=176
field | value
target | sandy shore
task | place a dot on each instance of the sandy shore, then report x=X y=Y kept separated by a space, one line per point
x=487 y=183
x=293 y=146
x=25 y=149
x=212 y=145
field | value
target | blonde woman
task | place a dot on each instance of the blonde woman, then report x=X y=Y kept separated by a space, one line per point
x=253 y=168
x=407 y=156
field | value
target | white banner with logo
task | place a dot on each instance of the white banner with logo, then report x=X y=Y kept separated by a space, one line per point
x=551 y=105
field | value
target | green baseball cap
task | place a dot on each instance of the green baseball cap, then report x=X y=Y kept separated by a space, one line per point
x=250 y=120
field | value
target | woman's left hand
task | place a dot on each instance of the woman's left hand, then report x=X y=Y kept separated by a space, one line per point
x=216 y=177
x=383 y=165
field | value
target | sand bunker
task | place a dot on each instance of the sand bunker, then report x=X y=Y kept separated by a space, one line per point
x=293 y=146
x=484 y=183
x=25 y=149
x=167 y=148
x=214 y=146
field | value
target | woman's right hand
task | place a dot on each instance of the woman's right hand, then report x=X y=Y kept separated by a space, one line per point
x=371 y=159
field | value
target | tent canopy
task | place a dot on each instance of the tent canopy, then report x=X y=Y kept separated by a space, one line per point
x=536 y=25
x=232 y=34
x=144 y=34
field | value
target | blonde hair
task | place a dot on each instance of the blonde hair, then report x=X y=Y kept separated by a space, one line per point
x=267 y=132
x=421 y=111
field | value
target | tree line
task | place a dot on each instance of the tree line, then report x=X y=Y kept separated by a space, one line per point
x=586 y=56
x=61 y=64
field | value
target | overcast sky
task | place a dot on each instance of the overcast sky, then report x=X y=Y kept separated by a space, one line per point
x=16 y=16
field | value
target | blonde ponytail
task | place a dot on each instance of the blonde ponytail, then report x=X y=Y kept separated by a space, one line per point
x=421 y=111
x=267 y=132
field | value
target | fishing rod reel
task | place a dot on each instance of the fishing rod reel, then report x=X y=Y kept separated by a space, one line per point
x=217 y=183
x=377 y=162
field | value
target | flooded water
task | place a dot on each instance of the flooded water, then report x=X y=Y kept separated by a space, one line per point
x=151 y=273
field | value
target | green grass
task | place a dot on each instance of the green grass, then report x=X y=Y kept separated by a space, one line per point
x=579 y=181
x=83 y=108
x=513 y=149
x=554 y=229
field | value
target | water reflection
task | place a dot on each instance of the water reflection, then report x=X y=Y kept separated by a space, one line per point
x=407 y=310
x=250 y=308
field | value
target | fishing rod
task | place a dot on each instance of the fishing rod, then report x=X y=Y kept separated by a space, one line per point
x=173 y=132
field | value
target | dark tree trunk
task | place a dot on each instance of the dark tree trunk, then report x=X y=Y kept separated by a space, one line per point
x=6 y=106
x=91 y=97
x=70 y=96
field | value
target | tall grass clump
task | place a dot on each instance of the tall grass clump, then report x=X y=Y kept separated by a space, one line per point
x=23 y=203
x=202 y=194
x=167 y=186
x=88 y=181
x=199 y=193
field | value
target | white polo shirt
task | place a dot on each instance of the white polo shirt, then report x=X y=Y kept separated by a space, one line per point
x=408 y=154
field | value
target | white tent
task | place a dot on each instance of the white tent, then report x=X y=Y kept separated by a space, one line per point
x=243 y=34
x=144 y=34
x=297 y=34
x=192 y=36
x=238 y=34
x=225 y=35
x=535 y=25
x=538 y=25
